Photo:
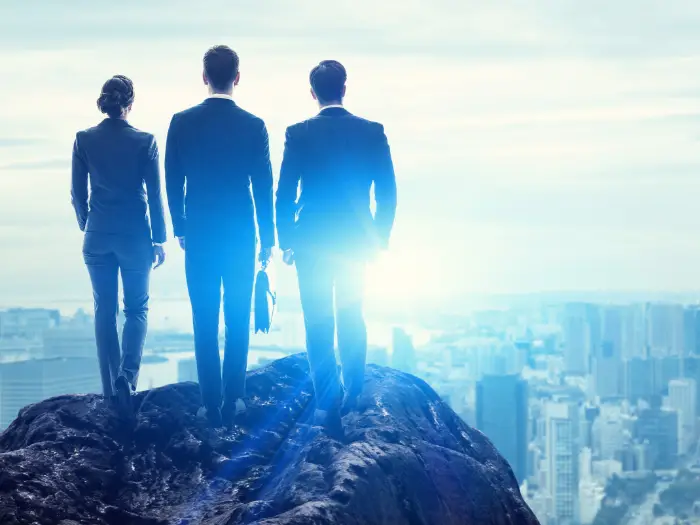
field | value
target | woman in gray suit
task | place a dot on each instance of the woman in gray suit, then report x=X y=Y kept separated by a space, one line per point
x=121 y=165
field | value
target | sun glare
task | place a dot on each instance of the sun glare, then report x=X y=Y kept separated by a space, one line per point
x=400 y=280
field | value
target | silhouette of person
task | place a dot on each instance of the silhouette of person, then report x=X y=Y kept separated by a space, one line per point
x=329 y=232
x=118 y=160
x=215 y=150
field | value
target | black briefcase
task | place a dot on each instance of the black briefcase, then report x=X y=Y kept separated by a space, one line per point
x=265 y=302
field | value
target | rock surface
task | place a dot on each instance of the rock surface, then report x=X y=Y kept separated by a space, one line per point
x=408 y=459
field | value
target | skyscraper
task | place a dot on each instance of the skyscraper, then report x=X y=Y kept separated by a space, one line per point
x=657 y=428
x=608 y=370
x=403 y=355
x=502 y=414
x=577 y=339
x=563 y=460
x=665 y=329
x=23 y=383
x=682 y=398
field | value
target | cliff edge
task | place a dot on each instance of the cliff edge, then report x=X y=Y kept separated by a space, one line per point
x=408 y=459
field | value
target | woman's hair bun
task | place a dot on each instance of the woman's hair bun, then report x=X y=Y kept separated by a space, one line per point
x=117 y=95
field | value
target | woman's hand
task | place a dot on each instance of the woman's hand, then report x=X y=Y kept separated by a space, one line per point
x=158 y=255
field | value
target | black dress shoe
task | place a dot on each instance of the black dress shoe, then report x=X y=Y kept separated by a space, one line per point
x=212 y=415
x=123 y=397
x=233 y=412
x=331 y=423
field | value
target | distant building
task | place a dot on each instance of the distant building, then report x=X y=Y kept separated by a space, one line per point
x=577 y=339
x=187 y=370
x=563 y=460
x=378 y=355
x=607 y=368
x=403 y=355
x=691 y=330
x=23 y=383
x=639 y=379
x=74 y=337
x=682 y=395
x=502 y=415
x=658 y=429
x=27 y=323
x=665 y=333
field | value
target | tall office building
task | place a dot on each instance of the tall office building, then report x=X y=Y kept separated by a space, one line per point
x=665 y=333
x=657 y=428
x=639 y=379
x=563 y=460
x=682 y=395
x=502 y=415
x=23 y=383
x=608 y=371
x=634 y=337
x=577 y=339
x=187 y=370
x=403 y=355
x=691 y=330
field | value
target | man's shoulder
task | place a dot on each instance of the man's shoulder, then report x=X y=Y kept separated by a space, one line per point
x=247 y=115
x=187 y=113
x=203 y=111
x=369 y=124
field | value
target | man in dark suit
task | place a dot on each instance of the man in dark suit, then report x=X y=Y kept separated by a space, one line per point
x=216 y=149
x=329 y=232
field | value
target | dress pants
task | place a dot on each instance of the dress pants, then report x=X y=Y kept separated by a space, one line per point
x=106 y=256
x=320 y=275
x=208 y=266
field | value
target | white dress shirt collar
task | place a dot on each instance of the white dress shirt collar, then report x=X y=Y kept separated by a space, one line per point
x=331 y=106
x=221 y=95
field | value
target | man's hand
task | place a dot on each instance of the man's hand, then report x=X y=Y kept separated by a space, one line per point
x=158 y=255
x=265 y=256
x=181 y=242
x=288 y=257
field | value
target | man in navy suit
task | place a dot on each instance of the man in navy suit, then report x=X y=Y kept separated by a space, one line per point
x=328 y=230
x=215 y=152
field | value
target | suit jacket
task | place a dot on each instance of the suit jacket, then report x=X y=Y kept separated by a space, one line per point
x=214 y=152
x=334 y=159
x=117 y=159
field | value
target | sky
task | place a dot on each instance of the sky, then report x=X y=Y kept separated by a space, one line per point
x=539 y=145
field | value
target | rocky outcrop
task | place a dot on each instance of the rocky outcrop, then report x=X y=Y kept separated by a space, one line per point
x=407 y=459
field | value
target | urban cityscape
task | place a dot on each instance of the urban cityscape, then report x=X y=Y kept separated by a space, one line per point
x=595 y=406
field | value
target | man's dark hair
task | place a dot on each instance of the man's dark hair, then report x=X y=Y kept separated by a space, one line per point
x=328 y=80
x=221 y=67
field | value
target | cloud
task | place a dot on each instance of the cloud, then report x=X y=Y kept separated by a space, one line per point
x=39 y=165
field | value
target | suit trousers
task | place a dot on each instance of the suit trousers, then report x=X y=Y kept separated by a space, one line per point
x=321 y=276
x=209 y=266
x=107 y=255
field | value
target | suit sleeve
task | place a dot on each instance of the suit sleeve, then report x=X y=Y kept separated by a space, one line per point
x=287 y=188
x=384 y=190
x=151 y=177
x=261 y=179
x=79 y=185
x=175 y=180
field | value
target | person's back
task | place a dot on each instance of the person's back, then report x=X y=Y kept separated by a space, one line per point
x=115 y=182
x=117 y=156
x=218 y=146
x=340 y=157
x=215 y=153
x=330 y=233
